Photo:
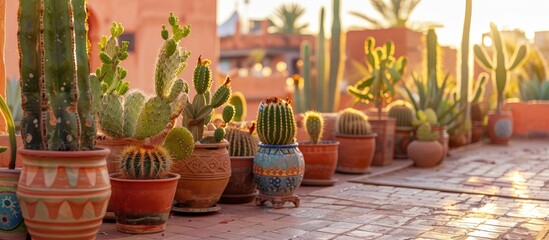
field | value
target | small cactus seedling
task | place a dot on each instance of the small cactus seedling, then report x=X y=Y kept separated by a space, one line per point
x=179 y=142
x=353 y=122
x=314 y=124
x=241 y=142
x=275 y=122
x=145 y=162
x=425 y=133
x=239 y=102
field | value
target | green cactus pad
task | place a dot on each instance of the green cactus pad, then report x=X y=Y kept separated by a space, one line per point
x=239 y=102
x=202 y=77
x=111 y=120
x=228 y=113
x=219 y=134
x=133 y=104
x=146 y=162
x=154 y=118
x=179 y=142
x=222 y=95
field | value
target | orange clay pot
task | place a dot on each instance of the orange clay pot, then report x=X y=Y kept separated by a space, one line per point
x=355 y=153
x=425 y=153
x=241 y=186
x=385 y=141
x=64 y=195
x=500 y=127
x=320 y=162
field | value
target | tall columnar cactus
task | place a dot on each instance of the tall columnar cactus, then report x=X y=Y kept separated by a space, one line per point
x=238 y=100
x=145 y=162
x=179 y=142
x=314 y=124
x=353 y=122
x=241 y=142
x=385 y=72
x=425 y=133
x=199 y=112
x=134 y=115
x=275 y=122
x=403 y=114
x=500 y=64
x=53 y=48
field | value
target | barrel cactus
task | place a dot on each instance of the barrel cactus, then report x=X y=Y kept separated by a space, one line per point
x=239 y=102
x=353 y=122
x=55 y=87
x=145 y=162
x=275 y=122
x=179 y=142
x=403 y=114
x=314 y=124
x=241 y=142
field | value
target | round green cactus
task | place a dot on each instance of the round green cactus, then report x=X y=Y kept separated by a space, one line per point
x=353 y=122
x=403 y=114
x=179 y=142
x=241 y=141
x=314 y=124
x=425 y=133
x=145 y=162
x=275 y=122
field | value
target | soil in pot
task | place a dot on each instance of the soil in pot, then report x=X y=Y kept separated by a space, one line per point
x=355 y=153
x=320 y=162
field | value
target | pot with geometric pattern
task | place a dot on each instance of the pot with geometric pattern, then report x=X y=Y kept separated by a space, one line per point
x=64 y=194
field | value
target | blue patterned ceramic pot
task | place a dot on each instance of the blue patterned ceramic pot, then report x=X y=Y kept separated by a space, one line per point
x=278 y=169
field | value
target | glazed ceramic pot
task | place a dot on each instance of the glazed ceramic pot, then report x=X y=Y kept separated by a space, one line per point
x=64 y=195
x=142 y=206
x=500 y=127
x=403 y=137
x=12 y=225
x=204 y=176
x=385 y=140
x=241 y=187
x=278 y=169
x=355 y=153
x=320 y=162
x=425 y=153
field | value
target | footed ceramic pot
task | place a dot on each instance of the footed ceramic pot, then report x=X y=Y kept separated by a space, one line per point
x=425 y=153
x=278 y=169
x=500 y=127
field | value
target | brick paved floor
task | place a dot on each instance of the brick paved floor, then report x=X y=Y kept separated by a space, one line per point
x=363 y=211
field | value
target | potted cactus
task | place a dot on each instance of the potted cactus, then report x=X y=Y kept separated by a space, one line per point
x=500 y=123
x=425 y=151
x=144 y=188
x=131 y=117
x=379 y=87
x=238 y=100
x=320 y=156
x=278 y=163
x=206 y=172
x=404 y=116
x=357 y=142
x=242 y=148
x=63 y=189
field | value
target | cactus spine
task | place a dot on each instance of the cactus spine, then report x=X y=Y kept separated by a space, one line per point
x=239 y=102
x=500 y=64
x=179 y=142
x=241 y=142
x=145 y=162
x=314 y=124
x=275 y=122
x=199 y=112
x=403 y=115
x=353 y=122
x=55 y=86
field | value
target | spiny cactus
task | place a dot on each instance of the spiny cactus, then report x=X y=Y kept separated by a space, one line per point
x=500 y=64
x=241 y=142
x=275 y=122
x=424 y=133
x=314 y=124
x=403 y=114
x=53 y=48
x=353 y=122
x=134 y=115
x=179 y=142
x=239 y=102
x=199 y=112
x=145 y=162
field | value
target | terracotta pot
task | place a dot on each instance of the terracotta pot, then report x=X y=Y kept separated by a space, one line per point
x=12 y=226
x=478 y=131
x=241 y=187
x=142 y=206
x=425 y=153
x=458 y=140
x=403 y=137
x=204 y=176
x=320 y=162
x=385 y=141
x=355 y=153
x=278 y=169
x=329 y=127
x=443 y=138
x=116 y=145
x=500 y=127
x=5 y=156
x=64 y=195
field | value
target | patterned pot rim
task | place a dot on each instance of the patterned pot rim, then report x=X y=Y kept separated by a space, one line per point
x=291 y=145
x=97 y=152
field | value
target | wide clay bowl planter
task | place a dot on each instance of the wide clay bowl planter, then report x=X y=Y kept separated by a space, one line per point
x=241 y=187
x=355 y=153
x=320 y=162
x=500 y=127
x=142 y=206
x=403 y=137
x=425 y=153
x=12 y=225
x=64 y=195
x=204 y=176
x=278 y=169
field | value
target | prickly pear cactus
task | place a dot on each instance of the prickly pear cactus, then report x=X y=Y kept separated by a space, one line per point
x=275 y=122
x=239 y=102
x=179 y=142
x=353 y=122
x=314 y=124
x=425 y=133
x=145 y=162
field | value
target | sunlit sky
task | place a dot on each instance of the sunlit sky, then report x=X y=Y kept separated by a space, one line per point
x=527 y=15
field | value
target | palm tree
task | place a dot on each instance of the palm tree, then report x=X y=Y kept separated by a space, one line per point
x=395 y=13
x=285 y=19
